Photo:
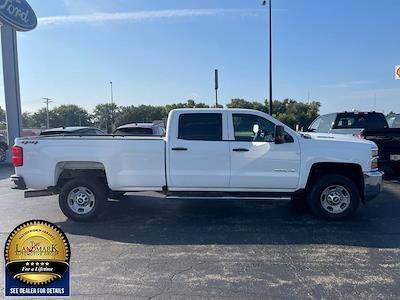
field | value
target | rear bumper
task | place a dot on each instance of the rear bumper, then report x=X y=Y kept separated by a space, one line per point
x=373 y=184
x=19 y=182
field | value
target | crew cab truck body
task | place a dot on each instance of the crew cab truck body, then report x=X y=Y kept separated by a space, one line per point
x=205 y=153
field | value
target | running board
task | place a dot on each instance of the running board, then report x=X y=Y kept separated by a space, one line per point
x=39 y=193
x=229 y=195
x=230 y=198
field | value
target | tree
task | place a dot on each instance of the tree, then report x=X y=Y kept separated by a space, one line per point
x=294 y=113
x=2 y=118
x=39 y=119
x=61 y=116
x=109 y=116
x=104 y=116
x=140 y=114
x=27 y=120
x=288 y=111
x=241 y=103
x=188 y=104
x=70 y=115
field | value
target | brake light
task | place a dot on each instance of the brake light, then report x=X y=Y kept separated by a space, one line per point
x=359 y=135
x=17 y=156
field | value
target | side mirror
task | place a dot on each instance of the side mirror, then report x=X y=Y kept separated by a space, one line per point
x=279 y=134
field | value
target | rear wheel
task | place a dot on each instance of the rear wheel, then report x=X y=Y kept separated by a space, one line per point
x=334 y=197
x=3 y=154
x=83 y=199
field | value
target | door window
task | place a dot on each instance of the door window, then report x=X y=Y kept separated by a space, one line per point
x=200 y=127
x=252 y=128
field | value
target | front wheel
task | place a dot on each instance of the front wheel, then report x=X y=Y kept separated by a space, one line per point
x=83 y=199
x=334 y=197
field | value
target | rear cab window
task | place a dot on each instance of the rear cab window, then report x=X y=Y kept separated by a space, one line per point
x=361 y=121
x=200 y=126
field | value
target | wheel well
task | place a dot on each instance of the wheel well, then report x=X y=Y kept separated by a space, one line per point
x=352 y=171
x=69 y=170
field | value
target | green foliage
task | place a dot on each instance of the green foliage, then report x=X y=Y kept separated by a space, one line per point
x=2 y=118
x=64 y=115
x=140 y=114
x=109 y=116
x=104 y=116
x=188 y=104
x=241 y=103
x=70 y=115
x=149 y=113
x=294 y=113
x=37 y=119
x=288 y=111
x=28 y=121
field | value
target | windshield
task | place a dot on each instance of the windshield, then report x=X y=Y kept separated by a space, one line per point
x=322 y=124
x=394 y=121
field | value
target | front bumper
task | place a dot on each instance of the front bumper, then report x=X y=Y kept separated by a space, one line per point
x=373 y=184
x=19 y=182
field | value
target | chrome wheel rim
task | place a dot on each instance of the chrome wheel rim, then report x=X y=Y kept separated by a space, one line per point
x=81 y=200
x=335 y=199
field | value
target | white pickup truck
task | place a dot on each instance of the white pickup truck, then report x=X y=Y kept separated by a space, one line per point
x=206 y=153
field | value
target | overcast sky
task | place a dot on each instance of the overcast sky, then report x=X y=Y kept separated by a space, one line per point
x=341 y=53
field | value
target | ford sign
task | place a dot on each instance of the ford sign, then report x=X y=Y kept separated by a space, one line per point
x=18 y=14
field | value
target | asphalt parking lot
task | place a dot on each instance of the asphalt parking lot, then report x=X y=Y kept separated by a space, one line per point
x=149 y=247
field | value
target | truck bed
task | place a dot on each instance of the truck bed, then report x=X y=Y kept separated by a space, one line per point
x=127 y=161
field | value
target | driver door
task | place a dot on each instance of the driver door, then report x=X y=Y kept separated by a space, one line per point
x=258 y=163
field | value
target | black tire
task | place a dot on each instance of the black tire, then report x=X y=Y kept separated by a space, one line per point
x=3 y=154
x=116 y=195
x=93 y=188
x=318 y=199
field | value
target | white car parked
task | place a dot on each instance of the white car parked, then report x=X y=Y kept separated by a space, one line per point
x=205 y=153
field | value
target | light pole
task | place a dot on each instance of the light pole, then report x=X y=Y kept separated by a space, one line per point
x=112 y=92
x=112 y=106
x=47 y=101
x=216 y=88
x=270 y=53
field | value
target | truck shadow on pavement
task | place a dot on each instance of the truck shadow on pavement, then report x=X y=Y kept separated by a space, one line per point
x=158 y=221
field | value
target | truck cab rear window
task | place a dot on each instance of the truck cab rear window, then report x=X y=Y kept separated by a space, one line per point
x=200 y=127
x=365 y=121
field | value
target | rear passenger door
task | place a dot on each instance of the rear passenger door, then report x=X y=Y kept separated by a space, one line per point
x=199 y=152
